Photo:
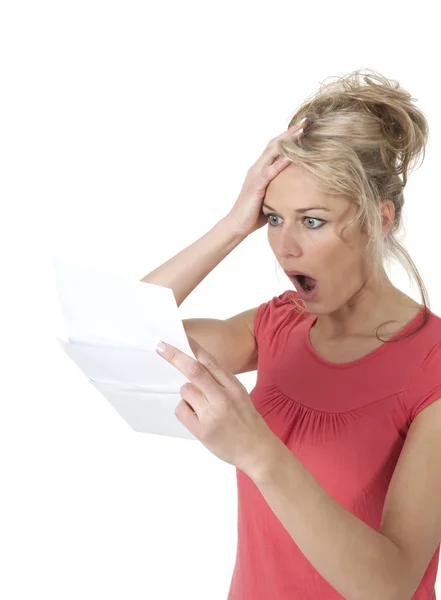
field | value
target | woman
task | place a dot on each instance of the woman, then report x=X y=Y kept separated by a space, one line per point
x=345 y=503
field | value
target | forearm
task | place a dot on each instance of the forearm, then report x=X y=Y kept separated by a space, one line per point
x=185 y=271
x=359 y=562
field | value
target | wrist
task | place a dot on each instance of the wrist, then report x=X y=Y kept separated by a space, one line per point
x=267 y=453
x=230 y=224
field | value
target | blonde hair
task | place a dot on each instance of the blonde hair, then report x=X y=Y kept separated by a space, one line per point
x=362 y=138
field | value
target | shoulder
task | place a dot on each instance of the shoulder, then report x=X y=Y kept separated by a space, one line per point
x=425 y=381
x=273 y=313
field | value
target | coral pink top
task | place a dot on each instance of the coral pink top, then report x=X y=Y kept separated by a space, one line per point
x=346 y=423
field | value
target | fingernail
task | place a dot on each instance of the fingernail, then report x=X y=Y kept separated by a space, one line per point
x=161 y=347
x=303 y=120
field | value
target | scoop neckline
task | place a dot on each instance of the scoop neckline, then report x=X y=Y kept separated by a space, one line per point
x=310 y=322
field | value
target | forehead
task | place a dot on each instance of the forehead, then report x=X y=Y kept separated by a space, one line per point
x=295 y=187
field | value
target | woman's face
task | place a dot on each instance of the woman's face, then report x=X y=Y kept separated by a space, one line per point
x=306 y=239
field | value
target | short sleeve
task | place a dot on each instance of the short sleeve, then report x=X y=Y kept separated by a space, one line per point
x=425 y=386
x=272 y=314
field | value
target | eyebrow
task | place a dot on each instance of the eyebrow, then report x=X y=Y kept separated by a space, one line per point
x=302 y=210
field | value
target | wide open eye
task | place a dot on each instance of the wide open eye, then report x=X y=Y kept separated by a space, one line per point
x=269 y=222
x=321 y=222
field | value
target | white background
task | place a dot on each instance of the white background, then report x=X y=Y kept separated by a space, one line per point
x=127 y=129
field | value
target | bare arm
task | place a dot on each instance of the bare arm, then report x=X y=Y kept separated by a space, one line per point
x=185 y=271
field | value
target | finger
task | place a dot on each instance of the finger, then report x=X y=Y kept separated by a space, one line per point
x=193 y=370
x=192 y=397
x=271 y=153
x=298 y=125
x=292 y=130
x=222 y=376
x=188 y=417
x=278 y=165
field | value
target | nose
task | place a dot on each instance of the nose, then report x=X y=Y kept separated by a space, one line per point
x=286 y=244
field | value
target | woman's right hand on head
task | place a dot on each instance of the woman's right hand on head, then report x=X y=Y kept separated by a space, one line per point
x=246 y=215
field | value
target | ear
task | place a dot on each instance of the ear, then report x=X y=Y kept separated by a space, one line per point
x=388 y=215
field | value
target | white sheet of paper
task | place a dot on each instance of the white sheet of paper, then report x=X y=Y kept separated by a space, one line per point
x=113 y=325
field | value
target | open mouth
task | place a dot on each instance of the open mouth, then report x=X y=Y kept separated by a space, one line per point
x=307 y=283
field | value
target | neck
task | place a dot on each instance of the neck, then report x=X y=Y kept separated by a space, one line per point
x=362 y=316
